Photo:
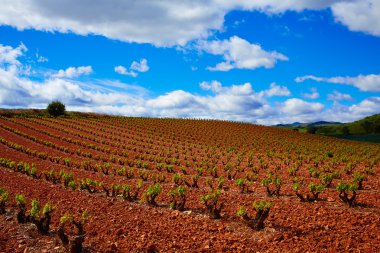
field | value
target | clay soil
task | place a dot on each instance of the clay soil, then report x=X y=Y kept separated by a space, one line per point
x=326 y=225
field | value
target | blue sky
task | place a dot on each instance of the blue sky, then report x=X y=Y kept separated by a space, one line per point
x=265 y=62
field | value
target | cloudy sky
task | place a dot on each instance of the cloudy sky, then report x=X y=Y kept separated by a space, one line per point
x=259 y=61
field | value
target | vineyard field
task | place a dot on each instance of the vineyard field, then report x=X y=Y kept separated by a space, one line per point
x=181 y=185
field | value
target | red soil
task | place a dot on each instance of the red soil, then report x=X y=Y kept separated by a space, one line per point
x=327 y=225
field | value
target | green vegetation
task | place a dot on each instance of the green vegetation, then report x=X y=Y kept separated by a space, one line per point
x=151 y=194
x=211 y=202
x=273 y=184
x=4 y=196
x=21 y=217
x=178 y=198
x=41 y=221
x=56 y=108
x=367 y=129
x=262 y=211
x=344 y=190
x=73 y=242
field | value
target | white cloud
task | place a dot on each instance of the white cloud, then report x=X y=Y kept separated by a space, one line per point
x=276 y=90
x=363 y=82
x=296 y=106
x=239 y=53
x=360 y=15
x=312 y=95
x=123 y=71
x=245 y=89
x=170 y=22
x=158 y=22
x=9 y=55
x=236 y=102
x=275 y=6
x=337 y=96
x=73 y=72
x=214 y=86
x=41 y=58
x=141 y=66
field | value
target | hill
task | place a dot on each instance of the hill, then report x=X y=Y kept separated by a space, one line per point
x=367 y=129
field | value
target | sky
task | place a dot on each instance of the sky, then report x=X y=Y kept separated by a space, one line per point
x=259 y=61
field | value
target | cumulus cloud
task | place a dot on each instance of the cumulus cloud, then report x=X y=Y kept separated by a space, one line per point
x=363 y=82
x=9 y=55
x=337 y=96
x=141 y=66
x=277 y=90
x=73 y=72
x=360 y=15
x=158 y=22
x=312 y=95
x=296 y=106
x=123 y=71
x=236 y=102
x=239 y=53
x=275 y=6
x=170 y=22
x=214 y=86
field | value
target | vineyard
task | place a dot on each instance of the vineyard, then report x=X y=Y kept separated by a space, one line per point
x=121 y=184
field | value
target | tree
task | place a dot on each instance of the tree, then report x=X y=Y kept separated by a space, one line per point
x=311 y=129
x=56 y=108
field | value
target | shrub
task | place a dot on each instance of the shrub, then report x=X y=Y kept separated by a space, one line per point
x=194 y=181
x=56 y=108
x=177 y=179
x=358 y=179
x=178 y=198
x=262 y=211
x=151 y=194
x=344 y=190
x=326 y=179
x=273 y=184
x=127 y=191
x=73 y=243
x=211 y=202
x=314 y=189
x=20 y=200
x=243 y=184
x=4 y=196
x=42 y=222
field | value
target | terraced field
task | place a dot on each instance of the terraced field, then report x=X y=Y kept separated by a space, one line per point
x=172 y=185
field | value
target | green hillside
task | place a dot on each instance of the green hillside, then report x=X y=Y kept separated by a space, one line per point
x=367 y=129
x=367 y=126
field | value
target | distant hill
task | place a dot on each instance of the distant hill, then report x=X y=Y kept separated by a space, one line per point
x=367 y=129
x=318 y=123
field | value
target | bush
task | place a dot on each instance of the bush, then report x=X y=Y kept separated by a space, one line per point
x=178 y=198
x=42 y=222
x=211 y=202
x=344 y=189
x=56 y=108
x=262 y=211
x=273 y=184
x=151 y=194
x=314 y=189
x=21 y=217
x=73 y=243
x=4 y=195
